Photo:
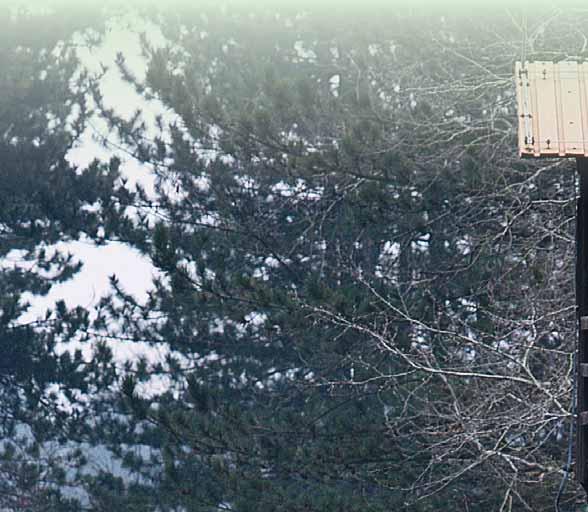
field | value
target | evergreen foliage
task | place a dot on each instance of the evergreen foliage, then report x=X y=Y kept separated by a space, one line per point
x=367 y=293
x=43 y=200
x=364 y=296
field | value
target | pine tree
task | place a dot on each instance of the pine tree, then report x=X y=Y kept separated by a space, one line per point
x=364 y=290
x=44 y=200
x=342 y=256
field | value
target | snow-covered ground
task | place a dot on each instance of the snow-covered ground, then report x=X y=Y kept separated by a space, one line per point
x=134 y=271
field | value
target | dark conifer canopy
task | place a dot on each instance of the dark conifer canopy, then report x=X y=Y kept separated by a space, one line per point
x=363 y=295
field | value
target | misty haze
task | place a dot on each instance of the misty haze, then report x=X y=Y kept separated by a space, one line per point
x=283 y=258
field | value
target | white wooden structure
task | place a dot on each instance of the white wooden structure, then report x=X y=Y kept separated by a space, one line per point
x=552 y=108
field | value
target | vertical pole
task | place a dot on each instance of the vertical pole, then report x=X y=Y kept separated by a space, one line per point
x=582 y=303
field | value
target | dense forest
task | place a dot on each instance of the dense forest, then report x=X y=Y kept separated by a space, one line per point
x=362 y=298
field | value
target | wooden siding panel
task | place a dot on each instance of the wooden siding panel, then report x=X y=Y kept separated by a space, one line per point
x=552 y=102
